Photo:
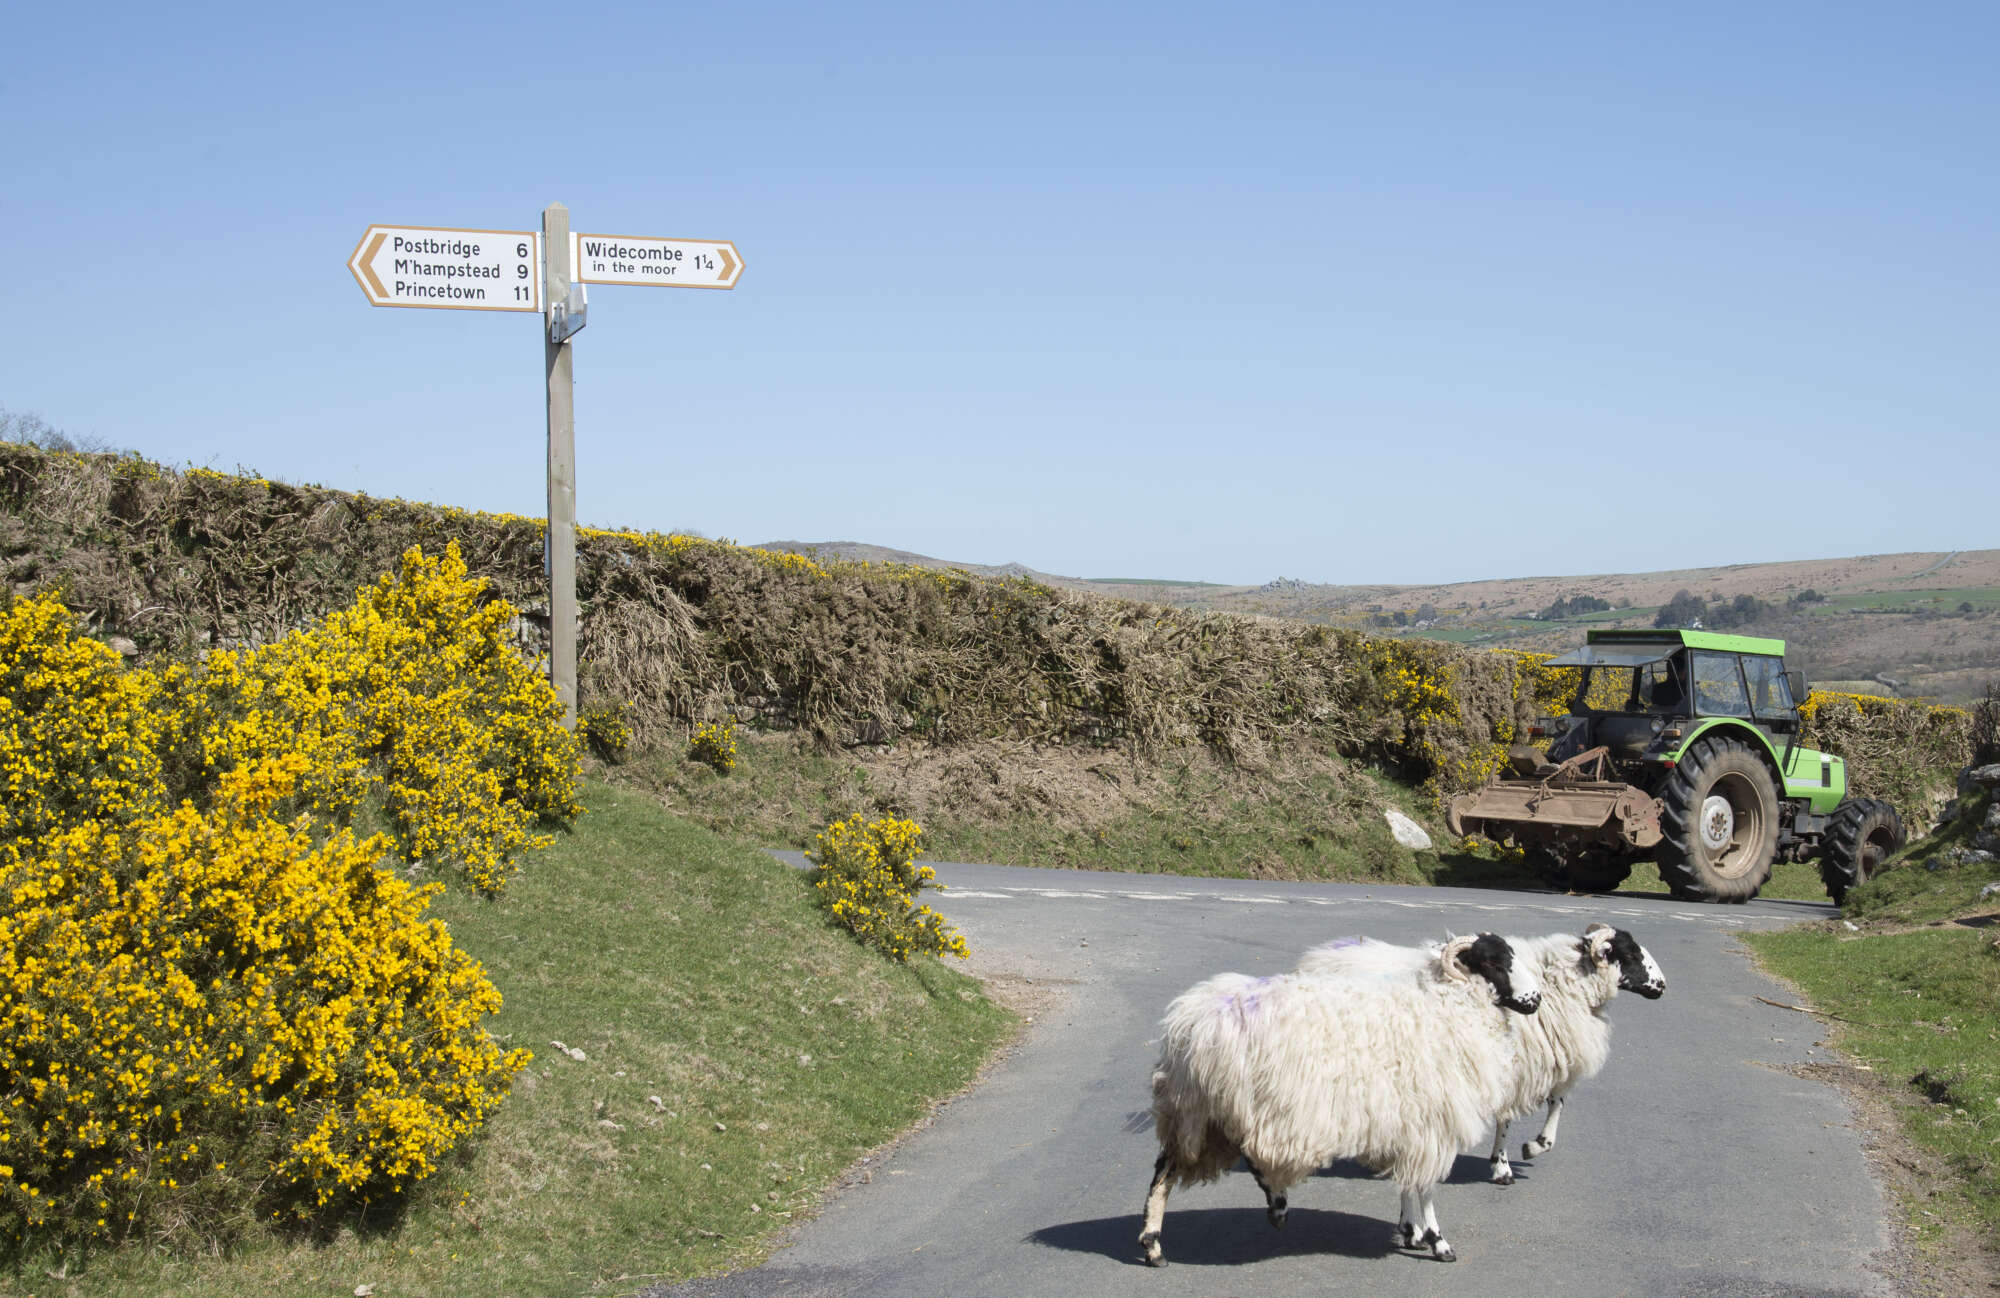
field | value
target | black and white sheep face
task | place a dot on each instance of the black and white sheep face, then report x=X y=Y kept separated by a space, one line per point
x=1605 y=945
x=1488 y=956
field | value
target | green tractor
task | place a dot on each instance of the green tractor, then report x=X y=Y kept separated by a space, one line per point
x=1681 y=746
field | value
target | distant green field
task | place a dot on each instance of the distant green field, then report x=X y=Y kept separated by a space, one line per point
x=1945 y=599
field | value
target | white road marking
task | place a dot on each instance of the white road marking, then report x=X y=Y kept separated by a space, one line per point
x=1565 y=906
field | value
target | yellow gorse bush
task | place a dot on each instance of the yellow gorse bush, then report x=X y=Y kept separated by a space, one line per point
x=79 y=735
x=714 y=744
x=866 y=877
x=411 y=699
x=217 y=1011
x=215 y=1000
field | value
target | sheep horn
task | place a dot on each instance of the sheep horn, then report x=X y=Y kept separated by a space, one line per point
x=1452 y=950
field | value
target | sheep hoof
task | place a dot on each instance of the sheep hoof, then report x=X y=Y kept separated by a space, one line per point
x=1149 y=1244
x=1504 y=1178
x=1533 y=1148
x=1277 y=1215
x=1441 y=1249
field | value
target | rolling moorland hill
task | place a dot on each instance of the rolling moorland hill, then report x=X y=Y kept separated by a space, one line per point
x=1909 y=625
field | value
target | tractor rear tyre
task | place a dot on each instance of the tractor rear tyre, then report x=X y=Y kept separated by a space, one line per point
x=1719 y=821
x=1862 y=834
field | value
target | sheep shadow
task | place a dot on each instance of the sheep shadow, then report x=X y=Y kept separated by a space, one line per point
x=1467 y=1169
x=1227 y=1236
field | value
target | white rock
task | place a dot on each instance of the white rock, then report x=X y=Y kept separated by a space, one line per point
x=1408 y=832
x=1988 y=891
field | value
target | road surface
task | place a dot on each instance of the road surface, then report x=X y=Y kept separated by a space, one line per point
x=1694 y=1165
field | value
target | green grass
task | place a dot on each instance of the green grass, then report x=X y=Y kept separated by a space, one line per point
x=1188 y=815
x=1919 y=991
x=1922 y=1010
x=1321 y=823
x=685 y=967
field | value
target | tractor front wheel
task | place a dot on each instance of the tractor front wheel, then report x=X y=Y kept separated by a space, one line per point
x=1862 y=834
x=1719 y=823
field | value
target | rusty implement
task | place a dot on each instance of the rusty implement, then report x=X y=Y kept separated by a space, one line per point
x=1575 y=802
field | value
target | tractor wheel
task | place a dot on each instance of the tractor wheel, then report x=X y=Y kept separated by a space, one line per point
x=1719 y=818
x=1861 y=835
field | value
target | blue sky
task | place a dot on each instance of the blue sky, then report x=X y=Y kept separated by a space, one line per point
x=1395 y=293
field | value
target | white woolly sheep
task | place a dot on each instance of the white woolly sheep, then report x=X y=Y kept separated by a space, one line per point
x=1294 y=1071
x=1564 y=1043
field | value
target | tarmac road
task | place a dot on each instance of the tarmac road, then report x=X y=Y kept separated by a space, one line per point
x=1694 y=1165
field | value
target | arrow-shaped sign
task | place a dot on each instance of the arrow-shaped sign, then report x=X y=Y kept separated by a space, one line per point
x=461 y=270
x=659 y=263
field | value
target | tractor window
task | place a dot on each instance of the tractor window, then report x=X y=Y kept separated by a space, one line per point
x=1770 y=696
x=1718 y=686
x=1660 y=687
x=1606 y=689
x=1653 y=687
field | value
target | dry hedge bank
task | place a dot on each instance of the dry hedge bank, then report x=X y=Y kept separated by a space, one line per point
x=686 y=630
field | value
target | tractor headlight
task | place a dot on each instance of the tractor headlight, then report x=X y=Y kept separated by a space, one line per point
x=1659 y=724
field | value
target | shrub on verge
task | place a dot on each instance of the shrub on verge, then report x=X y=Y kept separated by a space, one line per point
x=867 y=878
x=208 y=1015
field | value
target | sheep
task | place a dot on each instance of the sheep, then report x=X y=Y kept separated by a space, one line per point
x=1292 y=1071
x=1563 y=1044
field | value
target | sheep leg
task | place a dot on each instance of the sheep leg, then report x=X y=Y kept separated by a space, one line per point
x=1502 y=1171
x=1409 y=1220
x=1156 y=1210
x=1275 y=1206
x=1546 y=1141
x=1441 y=1248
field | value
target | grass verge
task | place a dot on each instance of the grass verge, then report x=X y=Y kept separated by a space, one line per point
x=682 y=966
x=1311 y=818
x=1306 y=816
x=1911 y=982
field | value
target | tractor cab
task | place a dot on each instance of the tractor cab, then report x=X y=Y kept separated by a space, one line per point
x=1633 y=686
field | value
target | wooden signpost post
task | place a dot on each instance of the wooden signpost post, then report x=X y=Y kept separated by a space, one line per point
x=521 y=270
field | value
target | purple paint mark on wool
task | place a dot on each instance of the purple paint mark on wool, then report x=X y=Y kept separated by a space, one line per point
x=1340 y=943
x=1244 y=1002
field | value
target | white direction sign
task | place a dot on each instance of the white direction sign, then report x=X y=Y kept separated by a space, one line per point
x=461 y=270
x=661 y=263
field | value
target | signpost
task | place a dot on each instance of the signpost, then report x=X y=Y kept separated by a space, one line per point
x=461 y=270
x=658 y=263
x=520 y=270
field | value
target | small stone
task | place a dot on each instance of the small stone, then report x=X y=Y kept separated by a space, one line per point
x=1991 y=889
x=1850 y=926
x=122 y=646
x=721 y=1127
x=763 y=1126
x=657 y=1103
x=755 y=1208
